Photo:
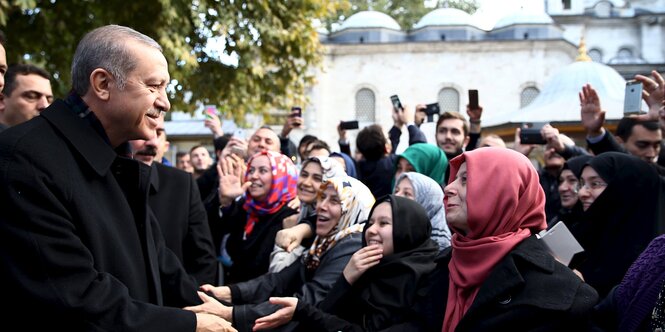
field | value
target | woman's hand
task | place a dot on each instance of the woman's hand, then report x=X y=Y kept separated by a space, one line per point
x=211 y=306
x=231 y=170
x=290 y=238
x=212 y=323
x=279 y=317
x=361 y=261
x=222 y=292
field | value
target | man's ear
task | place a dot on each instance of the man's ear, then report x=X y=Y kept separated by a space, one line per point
x=100 y=82
x=2 y=104
x=619 y=140
x=466 y=141
x=168 y=145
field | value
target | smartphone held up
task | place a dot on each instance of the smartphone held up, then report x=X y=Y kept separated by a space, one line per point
x=632 y=103
x=397 y=105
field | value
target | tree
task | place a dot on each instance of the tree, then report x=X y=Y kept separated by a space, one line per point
x=405 y=12
x=272 y=45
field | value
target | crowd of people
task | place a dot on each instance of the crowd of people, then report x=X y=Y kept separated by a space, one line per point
x=100 y=232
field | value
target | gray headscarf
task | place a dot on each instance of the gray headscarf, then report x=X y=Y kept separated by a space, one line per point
x=430 y=195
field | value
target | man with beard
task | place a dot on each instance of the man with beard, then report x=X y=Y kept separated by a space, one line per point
x=174 y=199
x=453 y=134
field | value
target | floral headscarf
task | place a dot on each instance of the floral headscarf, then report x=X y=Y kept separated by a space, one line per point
x=282 y=188
x=357 y=201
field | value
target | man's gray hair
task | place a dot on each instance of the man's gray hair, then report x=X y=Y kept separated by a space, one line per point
x=106 y=48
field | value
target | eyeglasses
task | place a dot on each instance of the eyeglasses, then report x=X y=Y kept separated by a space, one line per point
x=593 y=185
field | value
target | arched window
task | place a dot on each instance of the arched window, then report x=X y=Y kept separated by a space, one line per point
x=449 y=100
x=596 y=55
x=625 y=53
x=528 y=95
x=365 y=105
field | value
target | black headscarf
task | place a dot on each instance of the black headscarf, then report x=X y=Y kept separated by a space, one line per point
x=622 y=220
x=572 y=216
x=390 y=288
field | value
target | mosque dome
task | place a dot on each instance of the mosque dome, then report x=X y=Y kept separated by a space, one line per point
x=370 y=19
x=559 y=99
x=524 y=16
x=444 y=16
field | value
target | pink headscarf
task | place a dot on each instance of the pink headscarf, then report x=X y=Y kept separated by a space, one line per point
x=505 y=205
x=282 y=188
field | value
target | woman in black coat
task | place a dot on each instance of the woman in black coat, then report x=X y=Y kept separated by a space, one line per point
x=497 y=276
x=252 y=208
x=382 y=281
x=624 y=209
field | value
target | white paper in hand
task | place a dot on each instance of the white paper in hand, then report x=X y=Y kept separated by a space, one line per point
x=561 y=243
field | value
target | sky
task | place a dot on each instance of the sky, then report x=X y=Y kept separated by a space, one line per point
x=490 y=11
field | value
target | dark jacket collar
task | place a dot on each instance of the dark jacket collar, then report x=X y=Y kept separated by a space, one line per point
x=154 y=178
x=92 y=147
x=508 y=276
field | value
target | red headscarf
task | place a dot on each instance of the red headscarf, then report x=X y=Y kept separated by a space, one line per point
x=282 y=188
x=505 y=205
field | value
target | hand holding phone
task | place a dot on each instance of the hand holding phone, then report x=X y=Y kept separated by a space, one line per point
x=397 y=105
x=296 y=113
x=210 y=112
x=531 y=134
x=632 y=103
x=348 y=125
x=473 y=99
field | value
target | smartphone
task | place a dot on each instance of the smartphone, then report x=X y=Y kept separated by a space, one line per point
x=397 y=105
x=239 y=133
x=210 y=111
x=632 y=103
x=433 y=109
x=561 y=243
x=348 y=125
x=242 y=153
x=473 y=99
x=296 y=111
x=531 y=134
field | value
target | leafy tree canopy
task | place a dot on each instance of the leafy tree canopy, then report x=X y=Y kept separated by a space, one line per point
x=246 y=55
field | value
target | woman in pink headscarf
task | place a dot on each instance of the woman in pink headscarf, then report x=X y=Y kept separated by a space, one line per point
x=497 y=275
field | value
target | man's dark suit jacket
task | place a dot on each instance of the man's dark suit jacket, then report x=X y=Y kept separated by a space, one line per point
x=80 y=249
x=175 y=200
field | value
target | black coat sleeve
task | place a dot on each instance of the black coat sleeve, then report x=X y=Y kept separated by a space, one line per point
x=198 y=251
x=606 y=144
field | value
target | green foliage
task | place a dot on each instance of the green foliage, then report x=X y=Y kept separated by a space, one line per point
x=405 y=12
x=274 y=42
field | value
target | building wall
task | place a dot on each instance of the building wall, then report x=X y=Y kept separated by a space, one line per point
x=418 y=71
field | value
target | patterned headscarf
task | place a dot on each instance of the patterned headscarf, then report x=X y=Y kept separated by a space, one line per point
x=357 y=201
x=430 y=196
x=282 y=188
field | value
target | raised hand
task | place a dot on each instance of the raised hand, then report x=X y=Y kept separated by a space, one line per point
x=524 y=149
x=231 y=170
x=653 y=93
x=551 y=135
x=591 y=114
